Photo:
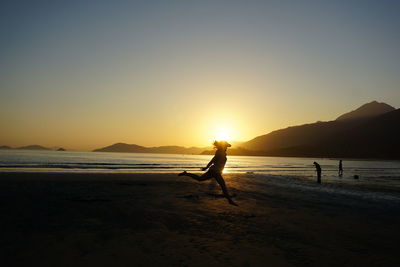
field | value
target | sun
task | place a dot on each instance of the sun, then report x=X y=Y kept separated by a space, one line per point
x=221 y=129
x=223 y=133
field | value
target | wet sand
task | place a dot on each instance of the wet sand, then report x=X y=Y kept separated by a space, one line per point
x=165 y=220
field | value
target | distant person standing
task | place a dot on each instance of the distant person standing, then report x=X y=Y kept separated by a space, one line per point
x=318 y=169
x=340 y=168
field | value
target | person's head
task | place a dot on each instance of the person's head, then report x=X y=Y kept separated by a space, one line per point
x=221 y=145
x=315 y=163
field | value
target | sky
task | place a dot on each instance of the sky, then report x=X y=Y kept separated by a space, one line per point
x=86 y=74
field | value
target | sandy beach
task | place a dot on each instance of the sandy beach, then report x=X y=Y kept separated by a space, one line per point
x=51 y=219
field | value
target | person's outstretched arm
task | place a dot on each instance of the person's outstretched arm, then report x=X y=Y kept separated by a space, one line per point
x=209 y=164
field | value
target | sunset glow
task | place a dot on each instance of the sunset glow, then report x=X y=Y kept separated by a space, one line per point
x=84 y=75
x=223 y=134
x=200 y=133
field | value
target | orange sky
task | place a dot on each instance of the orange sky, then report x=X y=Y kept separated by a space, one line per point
x=84 y=76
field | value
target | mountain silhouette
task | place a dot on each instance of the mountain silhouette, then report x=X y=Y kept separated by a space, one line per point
x=294 y=136
x=132 y=148
x=237 y=151
x=368 y=110
x=122 y=147
x=34 y=147
x=360 y=134
x=370 y=131
x=378 y=137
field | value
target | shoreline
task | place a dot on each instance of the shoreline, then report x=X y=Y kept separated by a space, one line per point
x=345 y=181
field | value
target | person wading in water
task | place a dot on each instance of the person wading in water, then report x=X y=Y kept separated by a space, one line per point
x=318 y=169
x=215 y=168
x=340 y=168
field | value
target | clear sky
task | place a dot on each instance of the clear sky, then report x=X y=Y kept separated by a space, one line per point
x=86 y=74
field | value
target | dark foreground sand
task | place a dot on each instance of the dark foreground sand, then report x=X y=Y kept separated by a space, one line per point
x=165 y=220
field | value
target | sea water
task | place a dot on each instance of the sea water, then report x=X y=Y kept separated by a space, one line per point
x=370 y=171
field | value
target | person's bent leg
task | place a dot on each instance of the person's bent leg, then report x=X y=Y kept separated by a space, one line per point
x=221 y=183
x=196 y=177
x=205 y=176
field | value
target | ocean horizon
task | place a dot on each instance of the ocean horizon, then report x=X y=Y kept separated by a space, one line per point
x=371 y=172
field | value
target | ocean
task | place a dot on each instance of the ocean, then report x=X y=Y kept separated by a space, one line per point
x=385 y=173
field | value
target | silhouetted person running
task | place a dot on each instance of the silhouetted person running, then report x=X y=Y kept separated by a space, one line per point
x=215 y=168
x=340 y=168
x=318 y=169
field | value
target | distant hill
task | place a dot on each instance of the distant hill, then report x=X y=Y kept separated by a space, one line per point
x=376 y=138
x=370 y=131
x=306 y=134
x=372 y=109
x=34 y=147
x=357 y=135
x=132 y=148
x=236 y=151
x=122 y=147
x=176 y=150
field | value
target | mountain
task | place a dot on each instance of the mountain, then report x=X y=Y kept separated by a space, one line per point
x=34 y=147
x=306 y=134
x=122 y=147
x=5 y=147
x=176 y=150
x=368 y=110
x=378 y=137
x=375 y=138
x=236 y=151
x=132 y=148
x=353 y=135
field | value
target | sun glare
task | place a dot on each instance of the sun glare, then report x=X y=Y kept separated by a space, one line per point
x=222 y=128
x=223 y=134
